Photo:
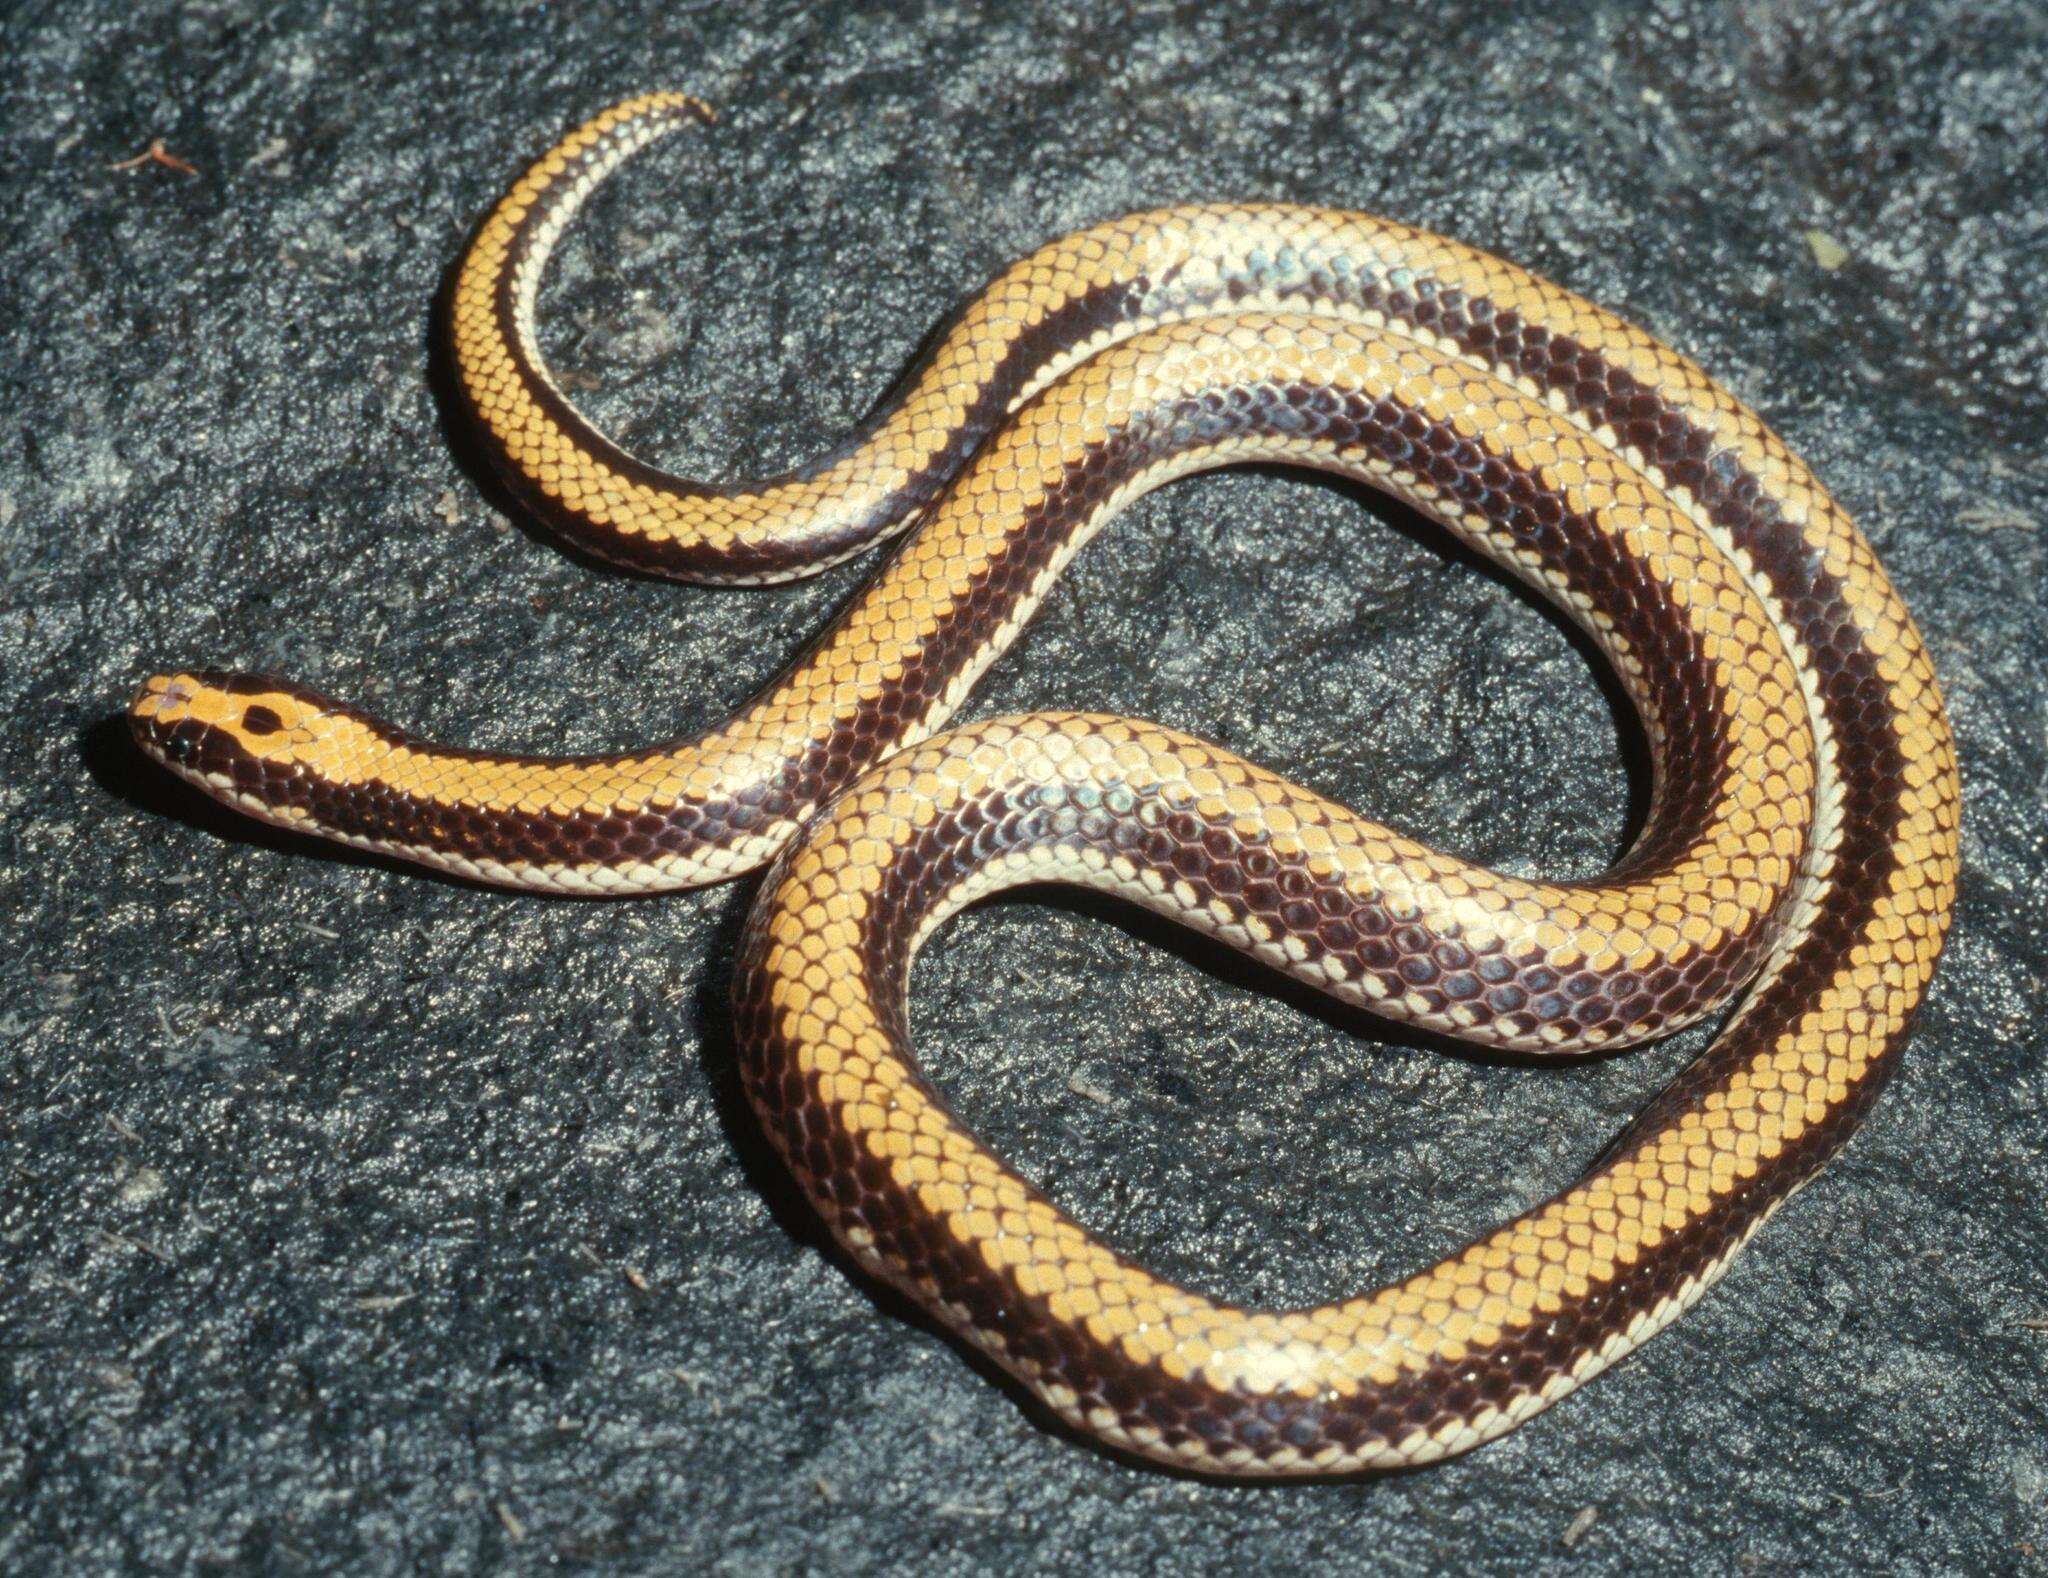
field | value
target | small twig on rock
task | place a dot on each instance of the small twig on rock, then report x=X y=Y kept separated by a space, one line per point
x=155 y=153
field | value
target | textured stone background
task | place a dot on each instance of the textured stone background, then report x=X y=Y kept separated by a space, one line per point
x=354 y=1216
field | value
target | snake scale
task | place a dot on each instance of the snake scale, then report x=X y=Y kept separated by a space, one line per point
x=1801 y=836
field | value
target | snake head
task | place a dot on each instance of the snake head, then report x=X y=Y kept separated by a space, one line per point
x=262 y=745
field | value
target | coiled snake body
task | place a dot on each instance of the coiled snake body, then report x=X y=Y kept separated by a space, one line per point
x=1801 y=836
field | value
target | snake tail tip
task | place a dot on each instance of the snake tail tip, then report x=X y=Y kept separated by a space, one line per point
x=670 y=103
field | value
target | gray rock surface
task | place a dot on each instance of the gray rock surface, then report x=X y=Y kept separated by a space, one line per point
x=354 y=1217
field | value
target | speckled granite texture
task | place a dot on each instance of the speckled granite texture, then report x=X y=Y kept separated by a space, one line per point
x=355 y=1218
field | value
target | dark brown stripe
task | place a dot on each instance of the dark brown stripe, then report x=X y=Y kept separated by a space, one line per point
x=1859 y=711
x=1693 y=743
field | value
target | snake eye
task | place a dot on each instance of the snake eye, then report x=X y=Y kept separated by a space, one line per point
x=261 y=720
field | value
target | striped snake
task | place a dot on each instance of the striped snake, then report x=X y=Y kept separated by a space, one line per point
x=1801 y=835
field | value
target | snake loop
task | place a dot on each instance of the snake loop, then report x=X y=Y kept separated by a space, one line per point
x=1801 y=836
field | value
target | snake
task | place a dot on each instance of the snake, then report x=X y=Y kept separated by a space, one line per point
x=1797 y=856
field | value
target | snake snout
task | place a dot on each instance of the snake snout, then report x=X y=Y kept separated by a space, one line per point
x=156 y=703
x=187 y=719
x=162 y=720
